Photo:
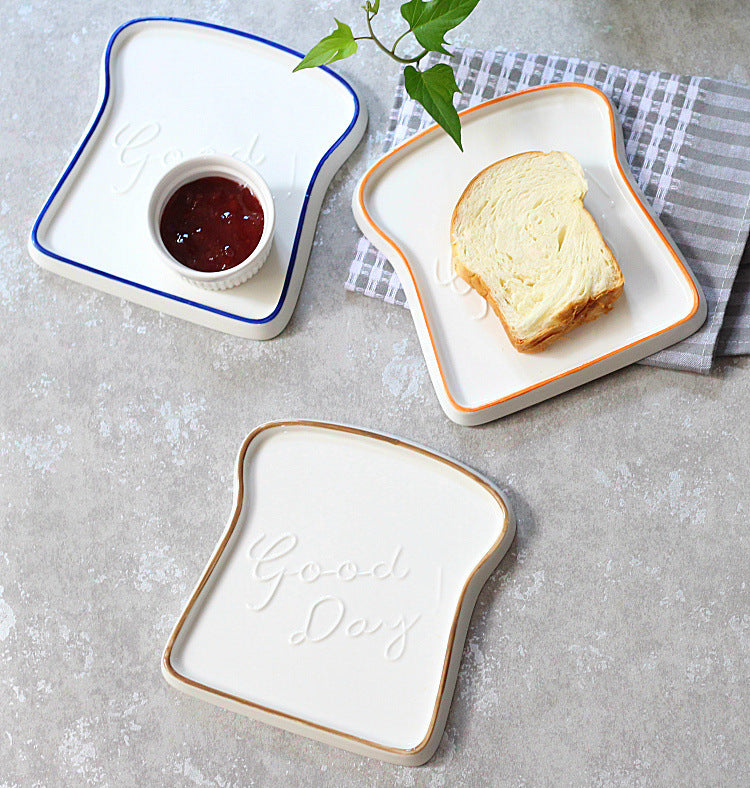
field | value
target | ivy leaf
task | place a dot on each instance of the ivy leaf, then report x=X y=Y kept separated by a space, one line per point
x=336 y=46
x=430 y=21
x=434 y=90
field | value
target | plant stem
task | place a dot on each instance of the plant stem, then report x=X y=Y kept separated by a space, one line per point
x=395 y=43
x=390 y=52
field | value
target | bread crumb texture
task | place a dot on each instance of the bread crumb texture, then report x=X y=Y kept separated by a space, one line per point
x=522 y=238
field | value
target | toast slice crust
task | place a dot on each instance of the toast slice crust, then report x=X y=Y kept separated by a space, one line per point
x=521 y=237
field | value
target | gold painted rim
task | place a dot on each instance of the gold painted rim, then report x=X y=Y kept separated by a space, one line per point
x=219 y=550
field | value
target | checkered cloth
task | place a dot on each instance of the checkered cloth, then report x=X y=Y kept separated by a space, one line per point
x=688 y=143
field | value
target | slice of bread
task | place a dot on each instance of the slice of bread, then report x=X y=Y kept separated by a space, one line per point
x=522 y=239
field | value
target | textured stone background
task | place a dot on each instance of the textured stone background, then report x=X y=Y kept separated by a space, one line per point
x=609 y=648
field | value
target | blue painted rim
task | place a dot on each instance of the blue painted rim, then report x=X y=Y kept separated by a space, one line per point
x=95 y=123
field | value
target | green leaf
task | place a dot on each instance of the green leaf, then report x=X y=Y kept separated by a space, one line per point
x=434 y=90
x=336 y=46
x=430 y=21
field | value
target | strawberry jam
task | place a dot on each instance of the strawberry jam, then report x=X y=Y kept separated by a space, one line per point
x=212 y=224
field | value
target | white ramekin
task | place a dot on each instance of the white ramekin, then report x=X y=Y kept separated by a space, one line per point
x=204 y=167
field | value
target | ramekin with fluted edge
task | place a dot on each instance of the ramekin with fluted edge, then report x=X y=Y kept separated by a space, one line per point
x=205 y=167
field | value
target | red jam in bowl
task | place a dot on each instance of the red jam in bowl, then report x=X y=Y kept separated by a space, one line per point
x=212 y=224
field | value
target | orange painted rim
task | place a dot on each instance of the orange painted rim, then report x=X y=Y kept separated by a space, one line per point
x=219 y=550
x=639 y=202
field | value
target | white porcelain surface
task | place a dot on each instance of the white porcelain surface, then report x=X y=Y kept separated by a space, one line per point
x=336 y=603
x=203 y=167
x=171 y=90
x=404 y=204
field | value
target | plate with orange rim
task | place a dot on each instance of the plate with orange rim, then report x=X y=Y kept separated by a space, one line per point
x=404 y=202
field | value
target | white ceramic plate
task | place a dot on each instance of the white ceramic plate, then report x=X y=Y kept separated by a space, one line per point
x=404 y=203
x=337 y=601
x=171 y=90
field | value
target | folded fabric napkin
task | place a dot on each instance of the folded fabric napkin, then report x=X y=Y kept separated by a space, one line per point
x=688 y=143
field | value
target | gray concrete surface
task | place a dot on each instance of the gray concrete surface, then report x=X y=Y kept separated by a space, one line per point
x=609 y=648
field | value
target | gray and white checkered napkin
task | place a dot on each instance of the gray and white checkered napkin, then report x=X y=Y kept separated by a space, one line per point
x=688 y=143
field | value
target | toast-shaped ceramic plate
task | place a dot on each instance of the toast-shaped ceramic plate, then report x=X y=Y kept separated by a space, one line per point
x=171 y=90
x=337 y=601
x=404 y=202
